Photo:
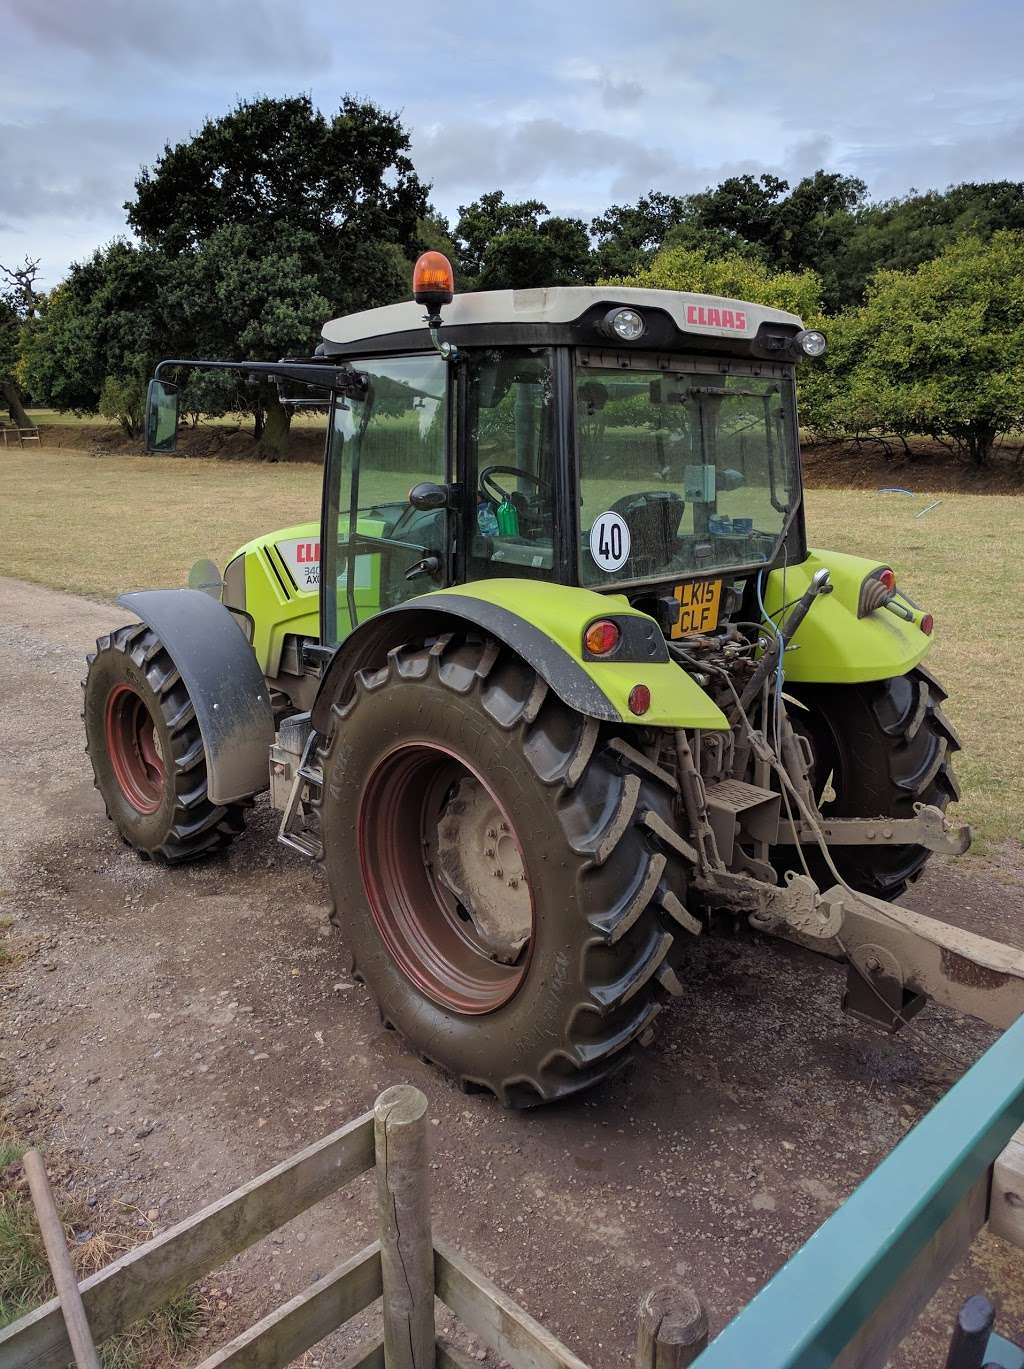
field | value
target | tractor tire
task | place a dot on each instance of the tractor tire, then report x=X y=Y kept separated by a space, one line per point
x=147 y=753
x=451 y=768
x=881 y=748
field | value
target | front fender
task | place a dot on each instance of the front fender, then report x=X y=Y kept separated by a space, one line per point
x=224 y=682
x=832 y=645
x=544 y=624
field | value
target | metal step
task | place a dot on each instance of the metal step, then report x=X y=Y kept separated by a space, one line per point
x=295 y=830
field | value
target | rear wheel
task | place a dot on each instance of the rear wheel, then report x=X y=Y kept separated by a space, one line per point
x=878 y=748
x=513 y=912
x=147 y=752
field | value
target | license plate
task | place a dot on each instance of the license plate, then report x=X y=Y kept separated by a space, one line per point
x=699 y=602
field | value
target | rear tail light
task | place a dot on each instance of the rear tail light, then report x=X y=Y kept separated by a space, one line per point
x=601 y=637
x=877 y=589
x=927 y=624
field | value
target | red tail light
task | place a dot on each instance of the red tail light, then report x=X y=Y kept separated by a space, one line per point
x=601 y=637
x=927 y=624
x=888 y=579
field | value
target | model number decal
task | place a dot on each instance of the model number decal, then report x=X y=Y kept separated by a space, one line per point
x=302 y=557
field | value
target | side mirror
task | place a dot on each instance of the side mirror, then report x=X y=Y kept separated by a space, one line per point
x=427 y=495
x=162 y=403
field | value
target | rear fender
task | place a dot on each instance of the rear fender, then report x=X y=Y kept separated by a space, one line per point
x=224 y=683
x=834 y=646
x=544 y=624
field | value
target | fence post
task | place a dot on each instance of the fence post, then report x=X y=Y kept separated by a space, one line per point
x=406 y=1243
x=64 y=1278
x=672 y=1329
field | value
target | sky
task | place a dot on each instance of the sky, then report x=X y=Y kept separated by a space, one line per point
x=579 y=105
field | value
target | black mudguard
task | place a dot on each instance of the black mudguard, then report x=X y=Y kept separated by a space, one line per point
x=224 y=682
x=432 y=614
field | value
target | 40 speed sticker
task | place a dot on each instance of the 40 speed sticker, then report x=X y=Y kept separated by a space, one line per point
x=609 y=541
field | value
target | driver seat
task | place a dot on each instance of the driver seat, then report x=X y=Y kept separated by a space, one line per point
x=653 y=518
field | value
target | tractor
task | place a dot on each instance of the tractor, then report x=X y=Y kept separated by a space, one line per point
x=554 y=682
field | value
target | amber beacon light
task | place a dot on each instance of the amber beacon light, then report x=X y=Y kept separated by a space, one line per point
x=433 y=283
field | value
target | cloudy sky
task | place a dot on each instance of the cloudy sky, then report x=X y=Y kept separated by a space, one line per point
x=577 y=104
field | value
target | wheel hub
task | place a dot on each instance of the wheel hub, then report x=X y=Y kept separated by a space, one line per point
x=480 y=862
x=133 y=746
x=444 y=877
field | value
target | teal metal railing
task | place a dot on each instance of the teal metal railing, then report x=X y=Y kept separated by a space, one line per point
x=878 y=1259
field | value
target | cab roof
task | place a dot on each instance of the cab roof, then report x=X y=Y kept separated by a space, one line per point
x=676 y=320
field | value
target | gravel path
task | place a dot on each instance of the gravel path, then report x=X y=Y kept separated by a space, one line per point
x=182 y=1030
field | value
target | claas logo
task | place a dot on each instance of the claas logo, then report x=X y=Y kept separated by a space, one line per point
x=306 y=552
x=713 y=317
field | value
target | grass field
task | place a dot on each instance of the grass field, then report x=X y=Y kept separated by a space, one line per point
x=98 y=525
x=64 y=418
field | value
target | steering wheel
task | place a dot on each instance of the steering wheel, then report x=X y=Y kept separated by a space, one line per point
x=489 y=485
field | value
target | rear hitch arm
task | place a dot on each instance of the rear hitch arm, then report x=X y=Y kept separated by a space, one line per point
x=930 y=828
x=899 y=958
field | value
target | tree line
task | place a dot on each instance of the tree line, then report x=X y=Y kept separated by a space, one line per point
x=275 y=217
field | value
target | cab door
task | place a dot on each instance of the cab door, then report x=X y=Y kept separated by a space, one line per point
x=377 y=549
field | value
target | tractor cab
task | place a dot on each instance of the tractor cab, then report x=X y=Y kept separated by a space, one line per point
x=636 y=441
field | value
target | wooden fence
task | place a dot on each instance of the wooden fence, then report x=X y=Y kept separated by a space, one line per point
x=21 y=435
x=846 y=1298
x=405 y=1267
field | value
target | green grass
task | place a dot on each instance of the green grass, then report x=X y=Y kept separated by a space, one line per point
x=99 y=525
x=160 y=1339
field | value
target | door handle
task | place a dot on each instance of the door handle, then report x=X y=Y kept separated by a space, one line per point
x=429 y=565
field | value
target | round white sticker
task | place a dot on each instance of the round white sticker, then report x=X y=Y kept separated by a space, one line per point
x=609 y=541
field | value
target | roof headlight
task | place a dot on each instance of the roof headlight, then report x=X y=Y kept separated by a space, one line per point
x=625 y=324
x=810 y=343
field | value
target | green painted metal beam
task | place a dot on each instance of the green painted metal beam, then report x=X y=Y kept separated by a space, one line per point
x=818 y=1301
x=1004 y=1353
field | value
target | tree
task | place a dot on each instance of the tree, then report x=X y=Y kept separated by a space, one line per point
x=733 y=276
x=504 y=245
x=789 y=230
x=19 y=304
x=900 y=234
x=287 y=216
x=937 y=351
x=101 y=330
x=628 y=235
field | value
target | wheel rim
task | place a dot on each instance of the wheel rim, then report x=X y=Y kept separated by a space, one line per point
x=443 y=872
x=134 y=749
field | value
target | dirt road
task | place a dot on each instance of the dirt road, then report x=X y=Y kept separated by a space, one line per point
x=185 y=1029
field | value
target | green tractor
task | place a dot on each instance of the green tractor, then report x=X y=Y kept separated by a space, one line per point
x=553 y=679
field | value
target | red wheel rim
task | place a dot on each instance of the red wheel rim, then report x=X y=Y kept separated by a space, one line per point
x=436 y=943
x=133 y=750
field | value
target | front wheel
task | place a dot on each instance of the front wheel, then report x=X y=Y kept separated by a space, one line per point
x=491 y=856
x=879 y=748
x=147 y=752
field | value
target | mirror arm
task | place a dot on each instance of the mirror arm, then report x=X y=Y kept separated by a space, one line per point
x=338 y=379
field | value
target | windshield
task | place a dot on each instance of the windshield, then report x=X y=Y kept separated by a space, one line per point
x=681 y=472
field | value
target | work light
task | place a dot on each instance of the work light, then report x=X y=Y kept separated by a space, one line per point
x=626 y=324
x=811 y=342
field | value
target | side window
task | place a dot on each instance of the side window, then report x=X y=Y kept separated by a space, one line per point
x=379 y=447
x=511 y=464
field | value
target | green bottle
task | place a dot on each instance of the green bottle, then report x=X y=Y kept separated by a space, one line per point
x=508 y=518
